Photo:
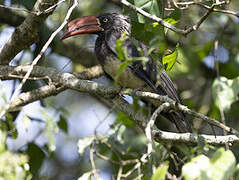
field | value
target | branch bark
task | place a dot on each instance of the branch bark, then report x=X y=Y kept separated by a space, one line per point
x=26 y=34
x=77 y=54
x=62 y=81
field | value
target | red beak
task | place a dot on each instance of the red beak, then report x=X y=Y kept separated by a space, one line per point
x=83 y=25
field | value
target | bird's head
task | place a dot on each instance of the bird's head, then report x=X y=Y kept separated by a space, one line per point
x=98 y=25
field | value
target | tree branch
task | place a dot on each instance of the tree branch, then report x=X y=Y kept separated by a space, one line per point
x=166 y=24
x=160 y=136
x=185 y=5
x=176 y=106
x=26 y=34
x=70 y=81
x=68 y=49
x=62 y=81
x=9 y=17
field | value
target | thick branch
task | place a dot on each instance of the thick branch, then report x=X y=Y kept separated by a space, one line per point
x=25 y=34
x=49 y=90
x=69 y=81
x=7 y=16
x=77 y=54
x=194 y=138
x=34 y=95
x=62 y=79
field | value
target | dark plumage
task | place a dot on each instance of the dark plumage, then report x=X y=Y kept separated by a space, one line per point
x=109 y=28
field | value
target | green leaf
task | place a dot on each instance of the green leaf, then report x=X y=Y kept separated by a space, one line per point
x=171 y=20
x=84 y=143
x=36 y=157
x=176 y=14
x=161 y=172
x=204 y=50
x=197 y=169
x=11 y=126
x=120 y=48
x=62 y=124
x=124 y=119
x=170 y=59
x=225 y=92
x=220 y=167
x=223 y=164
x=150 y=6
x=174 y=17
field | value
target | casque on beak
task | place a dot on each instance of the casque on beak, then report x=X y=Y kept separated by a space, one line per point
x=83 y=25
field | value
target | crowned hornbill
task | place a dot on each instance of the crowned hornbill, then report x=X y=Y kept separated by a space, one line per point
x=109 y=28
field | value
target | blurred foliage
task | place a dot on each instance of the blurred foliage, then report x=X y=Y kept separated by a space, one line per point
x=220 y=166
x=160 y=172
x=13 y=166
x=225 y=92
x=204 y=65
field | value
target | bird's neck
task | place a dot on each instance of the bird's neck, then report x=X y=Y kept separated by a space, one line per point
x=105 y=44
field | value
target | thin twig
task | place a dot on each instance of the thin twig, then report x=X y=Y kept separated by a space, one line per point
x=148 y=129
x=188 y=4
x=166 y=24
x=94 y=170
x=50 y=8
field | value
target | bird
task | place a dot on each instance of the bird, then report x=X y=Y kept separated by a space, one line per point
x=109 y=27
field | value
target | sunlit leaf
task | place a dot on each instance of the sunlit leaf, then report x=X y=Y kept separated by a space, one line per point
x=170 y=59
x=223 y=164
x=197 y=168
x=84 y=143
x=120 y=48
x=225 y=92
x=161 y=172
x=171 y=20
x=220 y=167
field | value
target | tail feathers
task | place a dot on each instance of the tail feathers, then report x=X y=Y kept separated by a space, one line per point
x=178 y=118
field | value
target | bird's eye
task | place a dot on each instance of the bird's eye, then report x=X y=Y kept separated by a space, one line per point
x=105 y=20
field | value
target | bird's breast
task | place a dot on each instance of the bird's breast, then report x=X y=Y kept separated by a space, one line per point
x=126 y=78
x=111 y=65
